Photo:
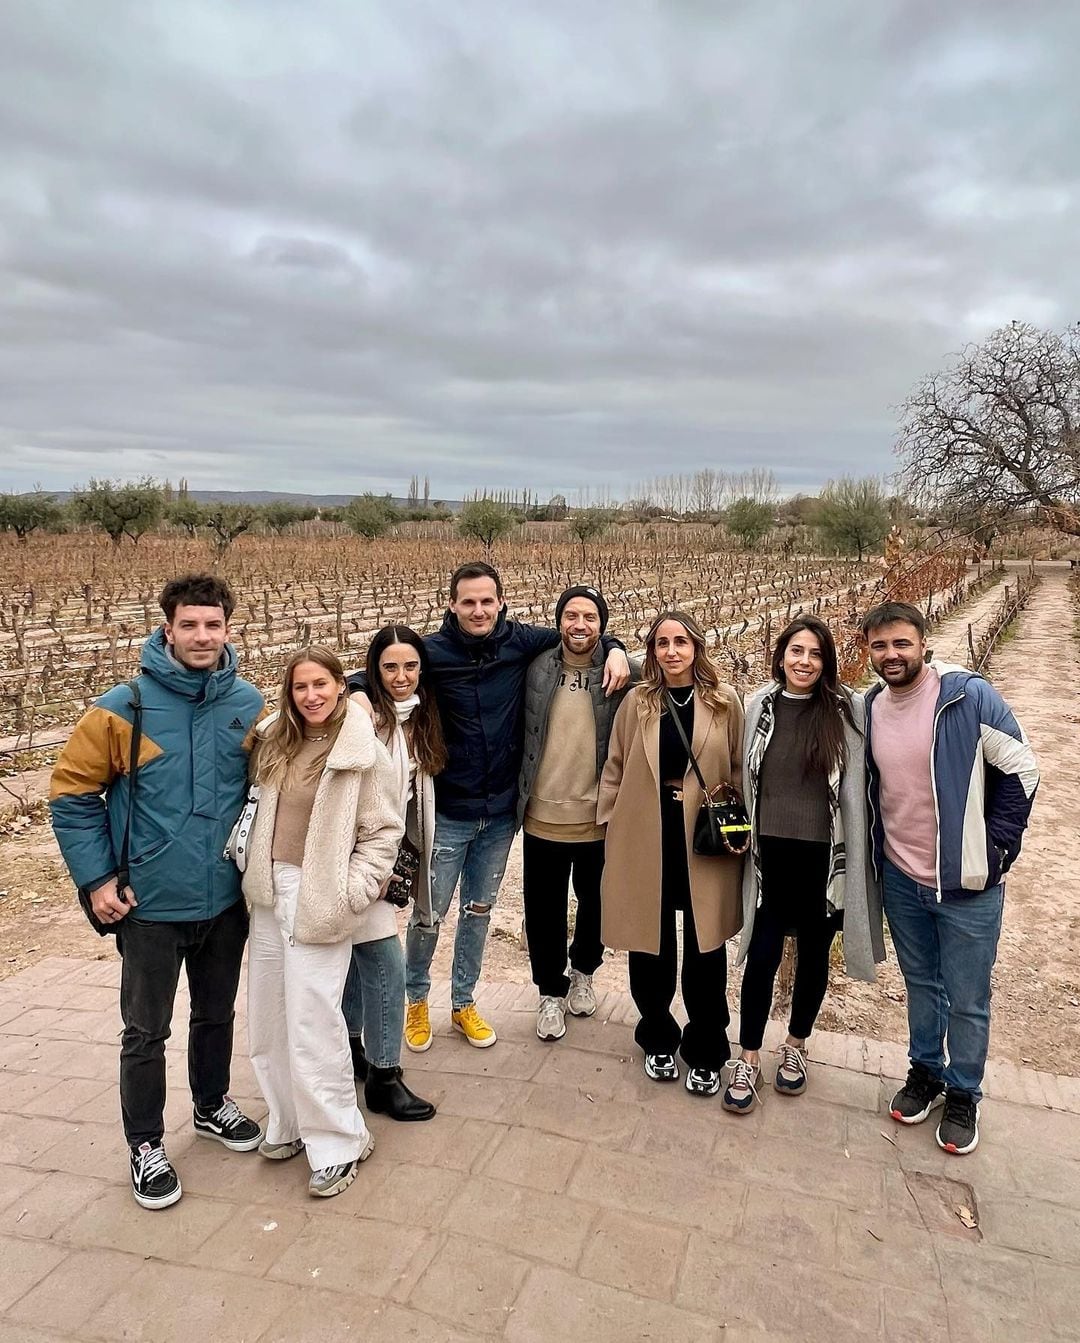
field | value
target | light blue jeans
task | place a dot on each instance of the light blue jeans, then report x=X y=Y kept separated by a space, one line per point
x=473 y=853
x=946 y=950
x=374 y=999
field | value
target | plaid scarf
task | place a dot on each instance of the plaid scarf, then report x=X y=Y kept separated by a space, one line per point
x=755 y=755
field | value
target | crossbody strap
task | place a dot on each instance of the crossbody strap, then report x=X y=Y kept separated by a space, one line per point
x=682 y=734
x=133 y=774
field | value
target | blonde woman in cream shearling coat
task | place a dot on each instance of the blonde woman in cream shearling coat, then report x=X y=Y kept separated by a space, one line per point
x=324 y=842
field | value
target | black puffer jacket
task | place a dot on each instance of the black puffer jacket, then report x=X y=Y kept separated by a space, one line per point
x=479 y=686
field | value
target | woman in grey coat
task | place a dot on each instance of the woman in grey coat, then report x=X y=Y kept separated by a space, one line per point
x=804 y=776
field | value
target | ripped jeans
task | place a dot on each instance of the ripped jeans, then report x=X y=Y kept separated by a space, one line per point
x=475 y=853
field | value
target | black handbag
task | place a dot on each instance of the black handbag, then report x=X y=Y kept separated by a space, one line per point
x=722 y=827
x=406 y=869
x=123 y=876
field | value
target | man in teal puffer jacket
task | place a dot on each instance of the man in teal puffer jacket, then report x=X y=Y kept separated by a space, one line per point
x=182 y=904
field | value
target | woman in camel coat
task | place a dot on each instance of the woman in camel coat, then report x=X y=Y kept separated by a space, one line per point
x=649 y=798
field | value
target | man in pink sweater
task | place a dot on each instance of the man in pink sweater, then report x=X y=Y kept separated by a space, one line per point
x=952 y=778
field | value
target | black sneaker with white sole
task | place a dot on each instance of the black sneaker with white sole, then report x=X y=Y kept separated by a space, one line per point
x=920 y=1094
x=228 y=1125
x=702 y=1081
x=661 y=1067
x=958 y=1128
x=153 y=1181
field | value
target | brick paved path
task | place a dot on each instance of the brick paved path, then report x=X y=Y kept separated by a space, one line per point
x=559 y=1195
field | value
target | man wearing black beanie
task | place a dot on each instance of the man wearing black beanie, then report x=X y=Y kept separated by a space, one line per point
x=568 y=722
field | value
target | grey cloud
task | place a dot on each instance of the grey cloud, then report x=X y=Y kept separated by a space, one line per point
x=326 y=247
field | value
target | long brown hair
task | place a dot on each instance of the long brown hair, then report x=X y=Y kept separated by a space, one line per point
x=707 y=682
x=426 y=734
x=277 y=747
x=823 y=745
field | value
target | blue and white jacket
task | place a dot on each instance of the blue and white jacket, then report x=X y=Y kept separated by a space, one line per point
x=984 y=775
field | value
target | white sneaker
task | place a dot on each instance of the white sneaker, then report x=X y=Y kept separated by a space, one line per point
x=581 y=1000
x=551 y=1019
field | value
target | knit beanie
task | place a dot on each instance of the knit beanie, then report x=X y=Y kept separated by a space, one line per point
x=583 y=590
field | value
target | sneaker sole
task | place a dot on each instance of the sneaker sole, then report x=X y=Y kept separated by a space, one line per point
x=740 y=1109
x=923 y=1115
x=153 y=1204
x=582 y=1012
x=789 y=1091
x=418 y=1049
x=476 y=1044
x=233 y=1144
x=550 y=1039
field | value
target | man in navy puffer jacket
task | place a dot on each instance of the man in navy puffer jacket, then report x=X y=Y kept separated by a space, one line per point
x=478 y=663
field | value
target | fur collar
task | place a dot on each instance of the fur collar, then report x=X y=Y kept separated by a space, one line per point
x=355 y=745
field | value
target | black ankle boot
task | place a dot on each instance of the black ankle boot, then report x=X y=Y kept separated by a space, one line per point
x=359 y=1058
x=385 y=1093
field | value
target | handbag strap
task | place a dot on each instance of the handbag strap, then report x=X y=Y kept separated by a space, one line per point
x=673 y=710
x=133 y=774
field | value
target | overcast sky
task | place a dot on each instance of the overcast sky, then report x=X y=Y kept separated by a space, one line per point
x=324 y=245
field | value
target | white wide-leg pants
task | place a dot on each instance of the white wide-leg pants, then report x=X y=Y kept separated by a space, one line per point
x=298 y=1037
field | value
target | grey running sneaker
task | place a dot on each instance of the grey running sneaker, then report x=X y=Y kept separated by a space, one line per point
x=790 y=1079
x=333 y=1180
x=661 y=1067
x=921 y=1093
x=550 y=1019
x=740 y=1095
x=958 y=1131
x=281 y=1151
x=581 y=999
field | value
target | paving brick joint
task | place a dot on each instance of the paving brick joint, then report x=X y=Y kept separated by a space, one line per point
x=558 y=1195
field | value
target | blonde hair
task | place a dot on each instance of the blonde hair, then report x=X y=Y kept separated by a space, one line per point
x=276 y=749
x=707 y=682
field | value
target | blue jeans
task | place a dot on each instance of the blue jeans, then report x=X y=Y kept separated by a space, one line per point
x=374 y=999
x=946 y=951
x=475 y=853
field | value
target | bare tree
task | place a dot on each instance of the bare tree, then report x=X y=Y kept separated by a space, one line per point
x=706 y=491
x=999 y=429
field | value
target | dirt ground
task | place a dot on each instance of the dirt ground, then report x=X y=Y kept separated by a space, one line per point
x=1037 y=976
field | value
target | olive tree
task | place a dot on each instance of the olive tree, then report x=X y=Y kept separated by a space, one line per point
x=25 y=513
x=369 y=516
x=749 y=520
x=120 y=508
x=485 y=521
x=853 y=515
x=228 y=521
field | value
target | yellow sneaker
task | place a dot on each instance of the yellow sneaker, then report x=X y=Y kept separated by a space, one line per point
x=418 y=1027
x=472 y=1025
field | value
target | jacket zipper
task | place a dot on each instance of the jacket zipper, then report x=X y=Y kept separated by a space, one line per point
x=933 y=789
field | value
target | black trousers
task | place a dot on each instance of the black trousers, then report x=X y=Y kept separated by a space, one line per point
x=547 y=869
x=212 y=950
x=704 y=1042
x=794 y=876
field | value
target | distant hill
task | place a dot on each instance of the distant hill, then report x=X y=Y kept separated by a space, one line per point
x=274 y=496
